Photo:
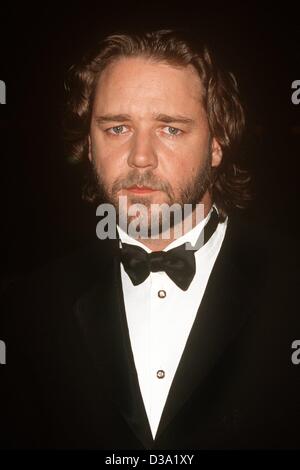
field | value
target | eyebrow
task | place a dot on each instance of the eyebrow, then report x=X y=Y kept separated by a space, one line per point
x=112 y=117
x=178 y=118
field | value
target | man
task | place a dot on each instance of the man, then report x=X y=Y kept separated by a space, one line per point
x=150 y=341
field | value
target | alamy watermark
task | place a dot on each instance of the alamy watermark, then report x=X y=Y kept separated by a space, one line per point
x=2 y=352
x=2 y=92
x=296 y=354
x=296 y=94
x=152 y=221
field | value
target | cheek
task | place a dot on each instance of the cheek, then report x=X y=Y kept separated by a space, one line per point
x=177 y=174
x=182 y=165
x=108 y=159
x=196 y=158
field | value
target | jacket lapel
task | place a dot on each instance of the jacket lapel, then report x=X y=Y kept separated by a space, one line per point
x=234 y=282
x=101 y=315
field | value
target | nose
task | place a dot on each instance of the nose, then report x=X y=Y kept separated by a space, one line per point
x=142 y=153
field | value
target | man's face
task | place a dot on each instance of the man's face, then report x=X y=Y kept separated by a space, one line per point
x=149 y=135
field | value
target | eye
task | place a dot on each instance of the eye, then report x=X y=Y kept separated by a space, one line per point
x=173 y=131
x=116 y=130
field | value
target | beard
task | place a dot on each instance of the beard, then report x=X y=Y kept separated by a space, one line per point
x=191 y=193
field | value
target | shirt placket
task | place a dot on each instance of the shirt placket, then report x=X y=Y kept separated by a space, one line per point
x=157 y=366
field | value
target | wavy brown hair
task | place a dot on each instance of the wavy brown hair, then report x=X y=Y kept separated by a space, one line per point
x=230 y=185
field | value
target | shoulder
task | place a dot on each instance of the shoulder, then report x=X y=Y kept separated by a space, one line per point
x=253 y=235
x=265 y=255
x=268 y=257
x=59 y=283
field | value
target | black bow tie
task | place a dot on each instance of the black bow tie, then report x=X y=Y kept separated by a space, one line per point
x=178 y=263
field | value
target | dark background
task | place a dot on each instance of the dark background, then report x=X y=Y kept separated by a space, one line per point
x=42 y=214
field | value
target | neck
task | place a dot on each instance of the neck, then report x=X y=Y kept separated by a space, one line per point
x=161 y=243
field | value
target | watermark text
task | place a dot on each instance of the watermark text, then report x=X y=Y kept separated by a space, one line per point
x=2 y=352
x=2 y=92
x=296 y=94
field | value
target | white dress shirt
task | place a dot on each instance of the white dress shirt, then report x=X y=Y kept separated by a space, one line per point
x=159 y=326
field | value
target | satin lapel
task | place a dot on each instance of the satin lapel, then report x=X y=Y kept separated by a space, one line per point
x=224 y=308
x=101 y=315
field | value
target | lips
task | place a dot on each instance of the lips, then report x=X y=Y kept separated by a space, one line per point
x=140 y=189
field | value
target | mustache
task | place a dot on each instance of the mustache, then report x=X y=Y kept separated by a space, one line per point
x=146 y=178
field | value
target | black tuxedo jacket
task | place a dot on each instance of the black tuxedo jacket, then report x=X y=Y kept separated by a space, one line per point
x=70 y=381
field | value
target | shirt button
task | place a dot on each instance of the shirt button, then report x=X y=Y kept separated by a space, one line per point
x=161 y=294
x=160 y=374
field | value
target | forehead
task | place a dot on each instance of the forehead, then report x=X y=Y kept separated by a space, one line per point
x=144 y=85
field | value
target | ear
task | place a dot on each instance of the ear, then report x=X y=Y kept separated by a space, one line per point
x=216 y=153
x=90 y=148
